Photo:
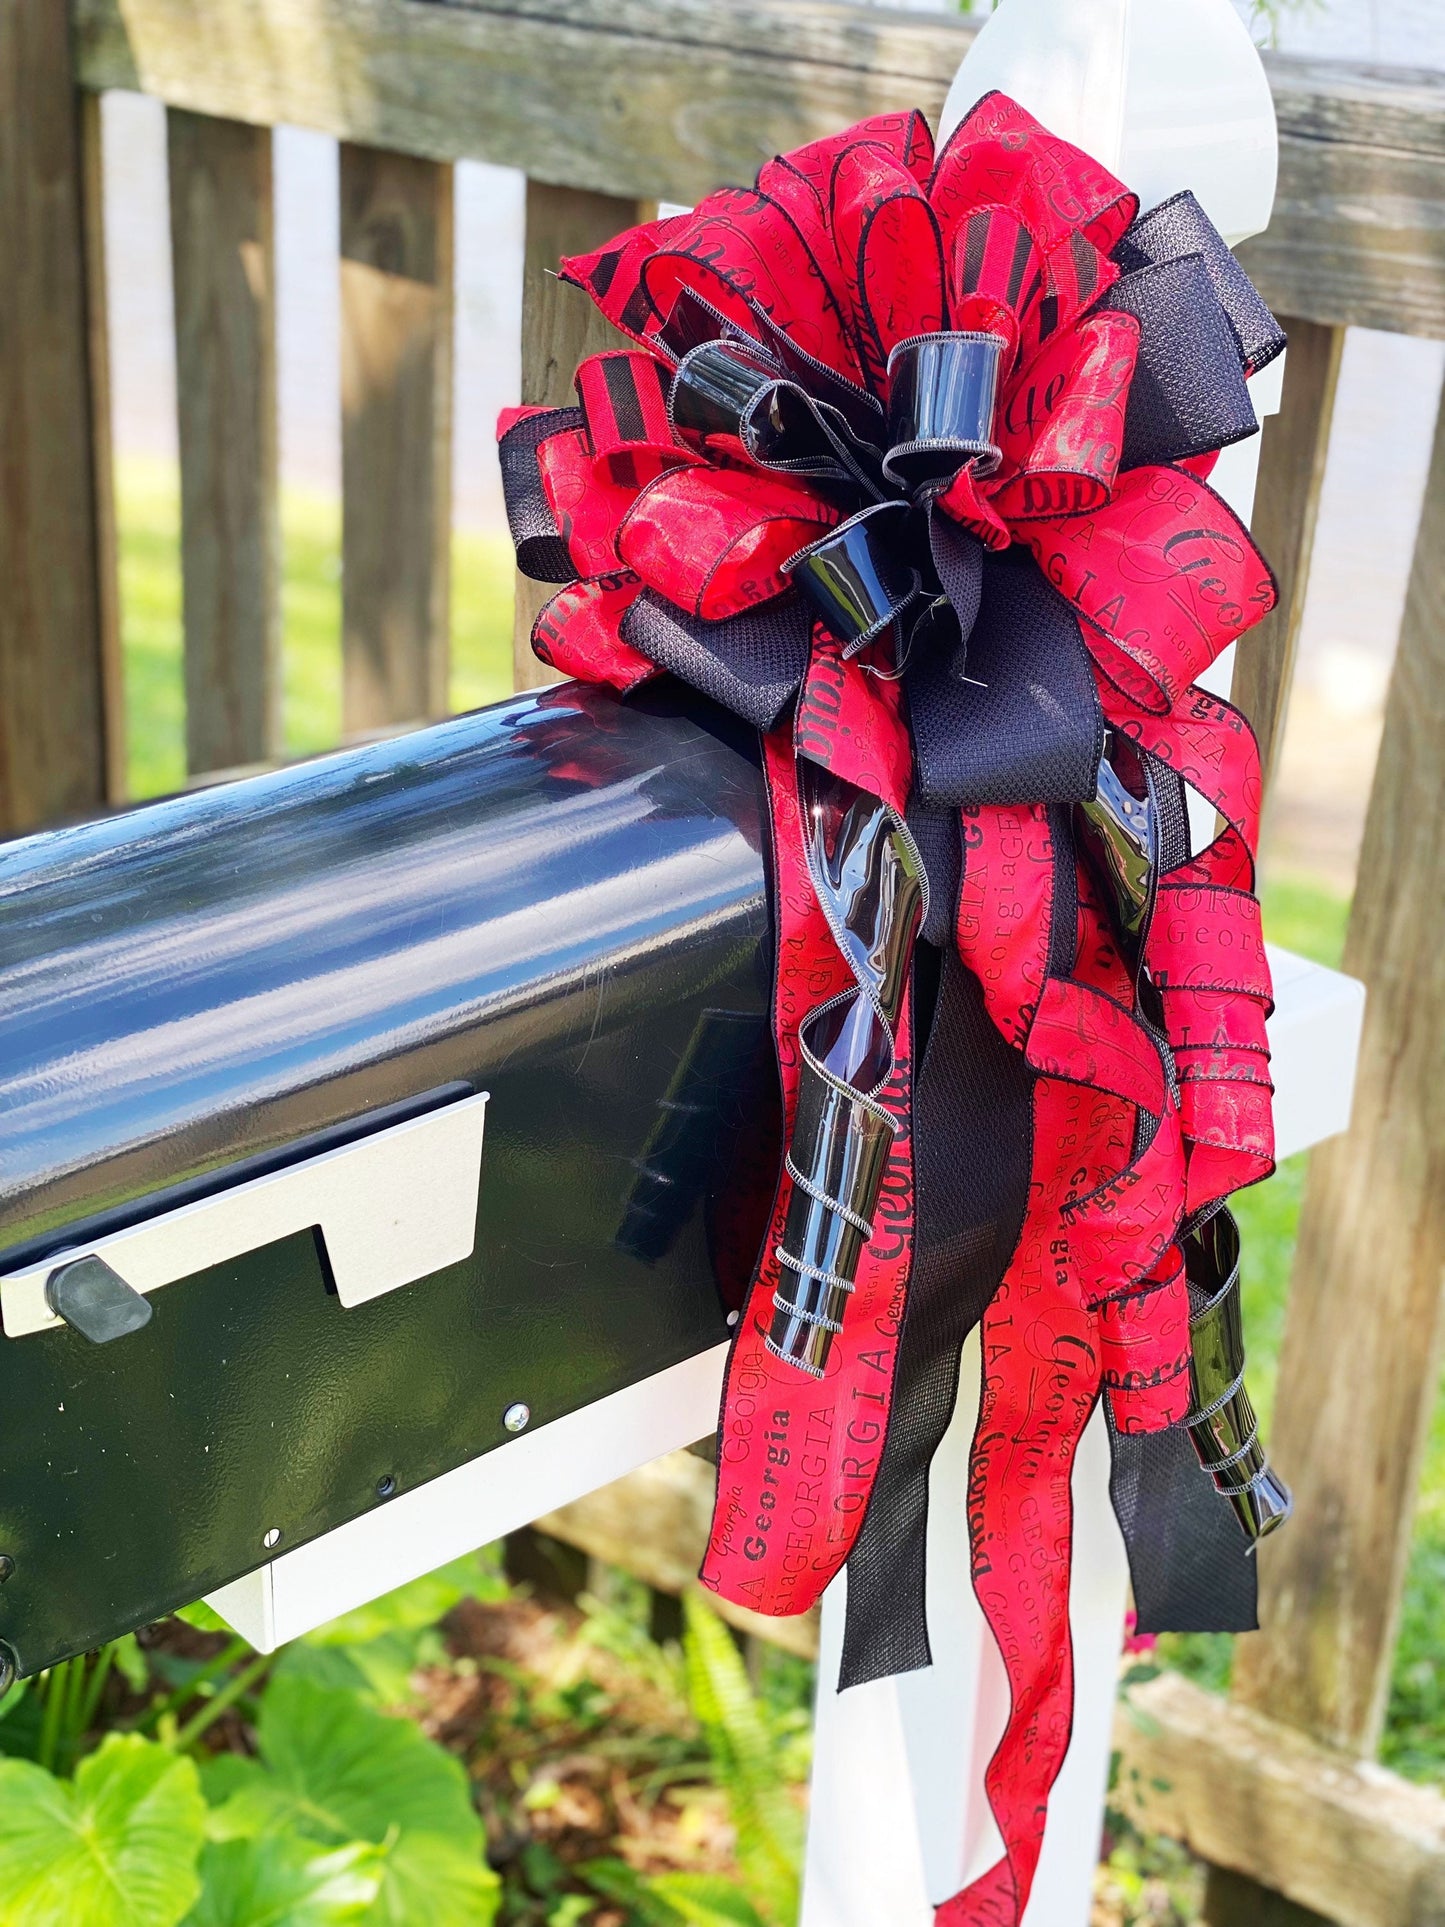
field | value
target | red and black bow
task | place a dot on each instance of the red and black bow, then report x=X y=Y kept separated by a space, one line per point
x=908 y=469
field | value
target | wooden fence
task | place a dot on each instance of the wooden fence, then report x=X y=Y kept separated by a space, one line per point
x=608 y=105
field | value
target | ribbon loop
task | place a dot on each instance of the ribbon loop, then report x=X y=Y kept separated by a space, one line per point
x=836 y=1160
x=713 y=392
x=853 y=579
x=1179 y=226
x=1119 y=839
x=942 y=392
x=729 y=399
x=1221 y=1421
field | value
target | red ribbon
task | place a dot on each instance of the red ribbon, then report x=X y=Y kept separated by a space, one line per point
x=845 y=248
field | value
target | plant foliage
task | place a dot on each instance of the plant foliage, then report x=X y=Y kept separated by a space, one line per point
x=115 y=1847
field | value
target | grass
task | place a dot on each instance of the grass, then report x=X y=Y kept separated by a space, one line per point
x=1298 y=914
x=148 y=501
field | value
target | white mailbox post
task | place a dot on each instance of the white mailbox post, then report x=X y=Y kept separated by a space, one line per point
x=1170 y=94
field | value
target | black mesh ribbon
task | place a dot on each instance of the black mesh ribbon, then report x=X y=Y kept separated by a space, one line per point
x=542 y=551
x=1179 y=227
x=1188 y=393
x=751 y=664
x=1007 y=711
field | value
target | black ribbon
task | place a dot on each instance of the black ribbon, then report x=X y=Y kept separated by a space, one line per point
x=942 y=389
x=541 y=550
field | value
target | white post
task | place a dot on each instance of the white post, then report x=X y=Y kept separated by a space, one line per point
x=1168 y=94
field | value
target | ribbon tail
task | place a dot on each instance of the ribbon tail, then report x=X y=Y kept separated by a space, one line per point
x=1039 y=1391
x=972 y=1134
x=803 y=1424
x=1189 y=1565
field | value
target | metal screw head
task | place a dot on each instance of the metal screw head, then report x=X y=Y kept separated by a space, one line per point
x=517 y=1417
x=7 y=1566
x=385 y=1486
x=271 y=1538
x=733 y=1317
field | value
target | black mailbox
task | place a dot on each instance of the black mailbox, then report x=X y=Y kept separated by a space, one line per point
x=258 y=1043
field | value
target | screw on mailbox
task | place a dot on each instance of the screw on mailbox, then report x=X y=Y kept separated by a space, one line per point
x=7 y=1566
x=385 y=1486
x=272 y=1538
x=517 y=1417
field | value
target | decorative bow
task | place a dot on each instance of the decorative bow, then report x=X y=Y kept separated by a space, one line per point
x=909 y=471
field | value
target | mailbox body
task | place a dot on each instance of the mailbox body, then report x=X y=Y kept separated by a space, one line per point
x=559 y=902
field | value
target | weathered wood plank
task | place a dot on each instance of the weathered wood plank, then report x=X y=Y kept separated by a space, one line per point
x=647 y=100
x=654 y=1524
x=1357 y=237
x=52 y=723
x=222 y=259
x=1349 y=1841
x=666 y=98
x=1358 y=1366
x=1286 y=504
x=1358 y=234
x=396 y=439
x=560 y=327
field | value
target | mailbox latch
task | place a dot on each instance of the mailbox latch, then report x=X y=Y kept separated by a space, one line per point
x=96 y=1300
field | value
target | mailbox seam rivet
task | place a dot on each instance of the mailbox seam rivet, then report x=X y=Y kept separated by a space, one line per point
x=7 y=1567
x=385 y=1486
x=271 y=1538
x=517 y=1417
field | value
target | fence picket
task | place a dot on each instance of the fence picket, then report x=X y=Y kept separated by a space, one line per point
x=1287 y=500
x=52 y=721
x=222 y=258
x=1358 y=1366
x=559 y=327
x=397 y=302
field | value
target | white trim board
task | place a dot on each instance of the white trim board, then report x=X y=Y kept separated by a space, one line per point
x=474 y=1504
x=393 y=1206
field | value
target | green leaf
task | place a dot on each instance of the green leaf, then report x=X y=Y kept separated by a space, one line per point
x=571 y=1910
x=353 y=1774
x=408 y=1609
x=222 y=1775
x=615 y=1880
x=429 y=1881
x=203 y=1618
x=769 y=1826
x=708 y=1900
x=335 y=1771
x=131 y=1663
x=379 y=1672
x=115 y=1848
x=281 y=1883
